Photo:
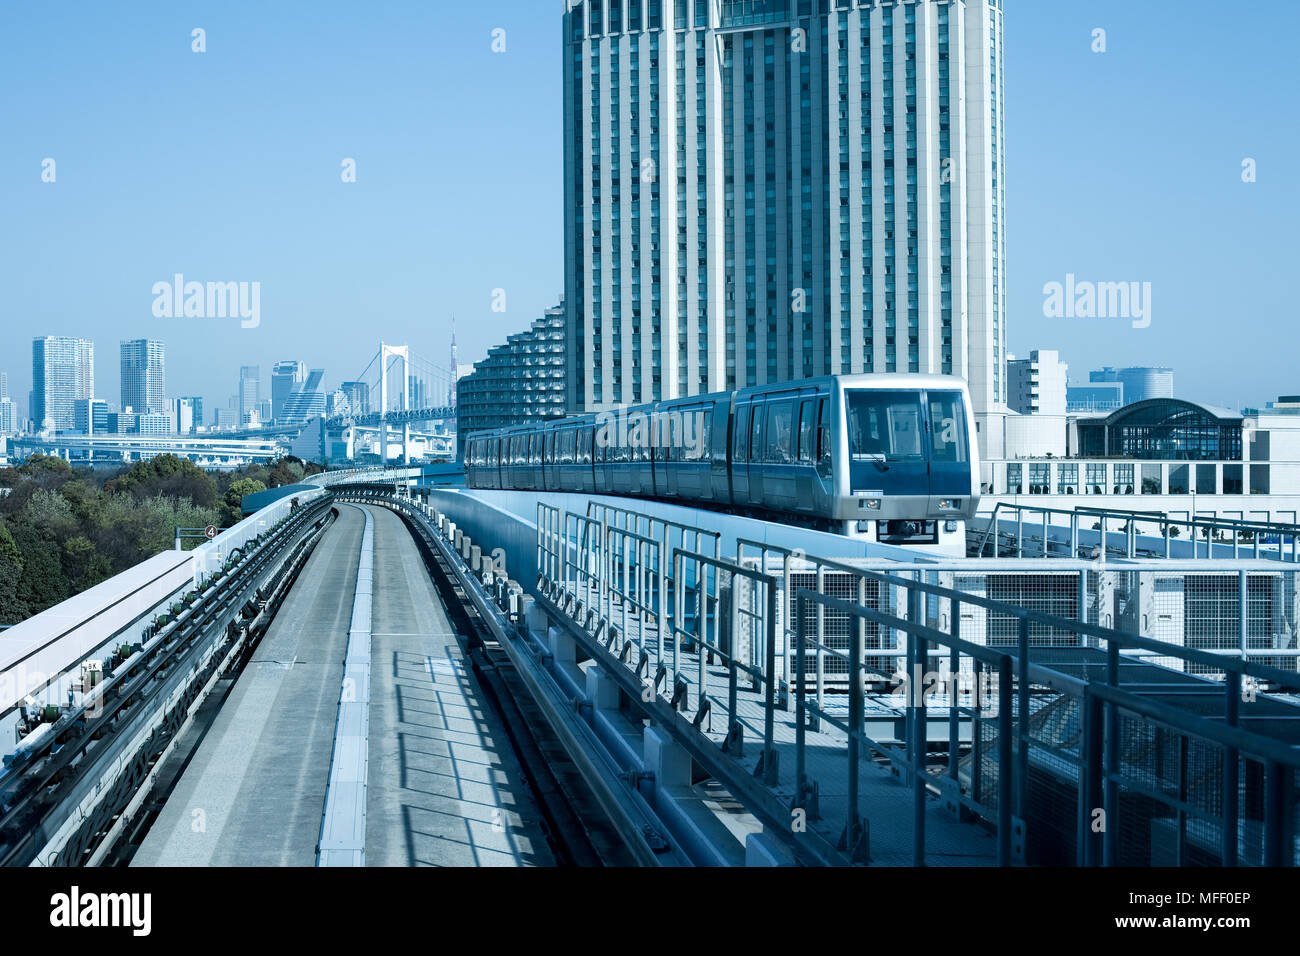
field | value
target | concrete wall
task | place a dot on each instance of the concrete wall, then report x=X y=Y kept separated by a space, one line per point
x=508 y=520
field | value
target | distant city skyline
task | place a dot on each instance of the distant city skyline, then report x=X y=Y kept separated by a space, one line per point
x=1111 y=175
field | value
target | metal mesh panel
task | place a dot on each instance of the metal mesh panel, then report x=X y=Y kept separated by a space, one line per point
x=837 y=627
x=1213 y=614
x=1055 y=733
x=1055 y=594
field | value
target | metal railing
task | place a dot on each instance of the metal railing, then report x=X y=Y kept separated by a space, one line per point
x=1061 y=737
x=1085 y=528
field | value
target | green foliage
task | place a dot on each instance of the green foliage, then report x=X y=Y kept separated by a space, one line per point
x=11 y=572
x=63 y=530
x=232 y=511
x=169 y=476
x=42 y=583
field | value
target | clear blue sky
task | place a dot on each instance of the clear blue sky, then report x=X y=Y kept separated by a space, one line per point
x=225 y=166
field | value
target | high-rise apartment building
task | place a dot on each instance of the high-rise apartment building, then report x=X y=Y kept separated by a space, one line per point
x=286 y=378
x=8 y=414
x=144 y=376
x=765 y=190
x=1037 y=385
x=250 y=389
x=520 y=381
x=63 y=371
x=8 y=411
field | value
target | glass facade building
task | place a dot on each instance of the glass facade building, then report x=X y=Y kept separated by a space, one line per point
x=765 y=190
x=1163 y=429
x=63 y=371
x=1139 y=382
x=286 y=378
x=305 y=402
x=144 y=376
x=250 y=389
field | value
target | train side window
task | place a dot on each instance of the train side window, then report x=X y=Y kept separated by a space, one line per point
x=780 y=432
x=704 y=436
x=807 y=431
x=548 y=451
x=824 y=438
x=740 y=451
x=756 y=446
x=584 y=446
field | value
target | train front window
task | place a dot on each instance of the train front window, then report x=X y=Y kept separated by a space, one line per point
x=885 y=426
x=947 y=427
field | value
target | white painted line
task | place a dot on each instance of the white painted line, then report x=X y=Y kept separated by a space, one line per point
x=343 y=826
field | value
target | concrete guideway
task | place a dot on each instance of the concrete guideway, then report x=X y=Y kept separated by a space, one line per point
x=254 y=790
x=443 y=787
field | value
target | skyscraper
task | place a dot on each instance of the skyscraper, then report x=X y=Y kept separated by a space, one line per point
x=519 y=382
x=285 y=378
x=250 y=389
x=63 y=370
x=8 y=414
x=765 y=190
x=196 y=404
x=358 y=394
x=305 y=402
x=144 y=376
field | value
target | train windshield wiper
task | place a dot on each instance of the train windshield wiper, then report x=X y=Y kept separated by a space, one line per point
x=877 y=459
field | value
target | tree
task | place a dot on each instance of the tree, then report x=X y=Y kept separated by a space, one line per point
x=83 y=565
x=42 y=584
x=50 y=511
x=170 y=476
x=233 y=507
x=12 y=611
x=46 y=471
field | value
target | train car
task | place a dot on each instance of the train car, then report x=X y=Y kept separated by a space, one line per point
x=904 y=460
x=568 y=455
x=625 y=451
x=887 y=458
x=690 y=459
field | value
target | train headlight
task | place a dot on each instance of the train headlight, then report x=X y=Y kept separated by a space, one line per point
x=871 y=504
x=945 y=504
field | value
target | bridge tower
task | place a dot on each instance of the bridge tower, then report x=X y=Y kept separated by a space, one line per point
x=400 y=353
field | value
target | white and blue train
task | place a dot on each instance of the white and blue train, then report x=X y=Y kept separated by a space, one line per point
x=888 y=458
